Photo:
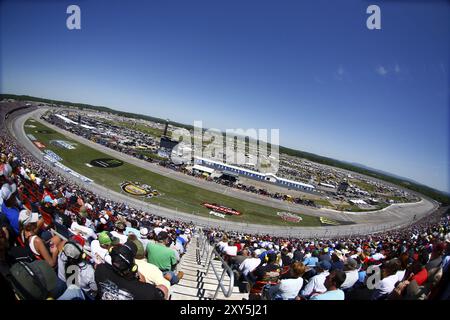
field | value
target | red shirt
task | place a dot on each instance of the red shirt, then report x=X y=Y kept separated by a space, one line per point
x=421 y=276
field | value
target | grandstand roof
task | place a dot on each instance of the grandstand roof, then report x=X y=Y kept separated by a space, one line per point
x=202 y=168
x=256 y=173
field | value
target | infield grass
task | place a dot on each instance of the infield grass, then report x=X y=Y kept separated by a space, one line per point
x=174 y=194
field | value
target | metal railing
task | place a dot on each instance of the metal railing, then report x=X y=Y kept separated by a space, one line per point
x=204 y=249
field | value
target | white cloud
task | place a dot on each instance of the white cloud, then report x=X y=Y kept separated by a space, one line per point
x=318 y=80
x=339 y=74
x=442 y=67
x=382 y=71
x=397 y=68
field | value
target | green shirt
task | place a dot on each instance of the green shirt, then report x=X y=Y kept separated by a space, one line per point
x=161 y=256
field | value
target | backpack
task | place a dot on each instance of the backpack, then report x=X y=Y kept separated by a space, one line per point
x=18 y=253
x=33 y=280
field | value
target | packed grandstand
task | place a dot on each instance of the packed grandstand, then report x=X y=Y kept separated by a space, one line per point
x=61 y=241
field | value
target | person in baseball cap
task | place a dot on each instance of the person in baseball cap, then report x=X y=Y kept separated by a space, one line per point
x=323 y=265
x=122 y=258
x=351 y=264
x=49 y=200
x=120 y=228
x=101 y=246
x=268 y=271
x=107 y=239
x=164 y=257
x=337 y=260
x=10 y=207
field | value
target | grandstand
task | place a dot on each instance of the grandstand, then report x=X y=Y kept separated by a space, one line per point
x=49 y=223
x=266 y=177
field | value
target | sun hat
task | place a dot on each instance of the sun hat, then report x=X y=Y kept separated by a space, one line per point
x=144 y=232
x=120 y=225
x=351 y=264
x=339 y=254
x=26 y=217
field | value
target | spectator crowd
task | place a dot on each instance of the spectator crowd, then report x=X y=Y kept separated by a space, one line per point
x=411 y=264
x=60 y=241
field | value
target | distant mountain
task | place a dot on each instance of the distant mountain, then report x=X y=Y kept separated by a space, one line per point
x=359 y=165
x=390 y=174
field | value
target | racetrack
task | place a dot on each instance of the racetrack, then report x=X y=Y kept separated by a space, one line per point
x=391 y=217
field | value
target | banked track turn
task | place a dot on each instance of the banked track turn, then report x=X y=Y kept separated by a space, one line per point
x=392 y=217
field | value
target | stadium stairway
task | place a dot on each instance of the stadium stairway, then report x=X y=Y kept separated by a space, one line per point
x=196 y=284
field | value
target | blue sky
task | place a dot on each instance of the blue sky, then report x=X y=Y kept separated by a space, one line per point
x=310 y=68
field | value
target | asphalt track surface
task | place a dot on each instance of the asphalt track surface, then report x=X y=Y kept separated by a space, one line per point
x=393 y=217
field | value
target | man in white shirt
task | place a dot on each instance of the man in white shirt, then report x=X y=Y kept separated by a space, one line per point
x=351 y=273
x=176 y=247
x=157 y=230
x=332 y=283
x=185 y=237
x=231 y=249
x=82 y=230
x=223 y=243
x=249 y=264
x=143 y=238
x=119 y=233
x=378 y=255
x=317 y=283
x=288 y=289
x=387 y=284
x=100 y=248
